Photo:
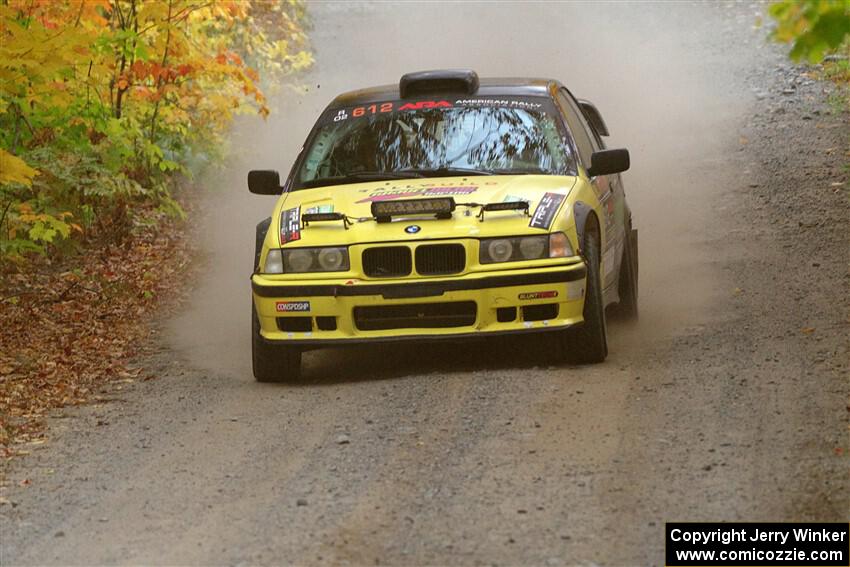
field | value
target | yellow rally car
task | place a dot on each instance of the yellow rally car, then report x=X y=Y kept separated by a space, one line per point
x=444 y=207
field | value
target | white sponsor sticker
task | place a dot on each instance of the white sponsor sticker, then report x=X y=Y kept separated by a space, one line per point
x=292 y=306
x=575 y=290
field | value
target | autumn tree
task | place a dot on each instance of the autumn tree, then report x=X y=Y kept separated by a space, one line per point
x=104 y=102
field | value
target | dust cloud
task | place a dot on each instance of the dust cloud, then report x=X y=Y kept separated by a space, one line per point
x=663 y=94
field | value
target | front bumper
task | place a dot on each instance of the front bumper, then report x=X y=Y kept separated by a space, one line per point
x=330 y=311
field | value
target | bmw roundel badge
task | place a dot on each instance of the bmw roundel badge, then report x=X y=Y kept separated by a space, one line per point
x=412 y=229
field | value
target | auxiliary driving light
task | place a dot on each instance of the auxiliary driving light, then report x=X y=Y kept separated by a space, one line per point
x=383 y=211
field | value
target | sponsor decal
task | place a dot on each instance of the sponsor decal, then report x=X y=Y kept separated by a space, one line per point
x=392 y=193
x=319 y=209
x=515 y=199
x=290 y=225
x=609 y=214
x=545 y=211
x=291 y=306
x=538 y=295
x=425 y=104
x=575 y=290
x=378 y=108
x=372 y=109
x=412 y=229
x=511 y=103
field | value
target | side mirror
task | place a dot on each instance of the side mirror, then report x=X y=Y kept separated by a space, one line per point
x=264 y=182
x=608 y=162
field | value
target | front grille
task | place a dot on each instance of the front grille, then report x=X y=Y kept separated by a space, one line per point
x=417 y=316
x=440 y=259
x=387 y=262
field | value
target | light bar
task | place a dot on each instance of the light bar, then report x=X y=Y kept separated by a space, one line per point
x=508 y=206
x=307 y=218
x=383 y=211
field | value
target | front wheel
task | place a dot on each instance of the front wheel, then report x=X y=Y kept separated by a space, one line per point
x=272 y=363
x=589 y=343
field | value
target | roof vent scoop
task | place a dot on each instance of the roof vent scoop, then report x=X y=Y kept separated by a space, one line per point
x=442 y=81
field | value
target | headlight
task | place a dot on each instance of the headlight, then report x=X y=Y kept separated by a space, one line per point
x=274 y=262
x=494 y=250
x=514 y=249
x=330 y=259
x=534 y=247
x=499 y=250
x=298 y=260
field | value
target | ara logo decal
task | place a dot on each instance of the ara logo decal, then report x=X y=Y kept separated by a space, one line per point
x=425 y=104
x=412 y=229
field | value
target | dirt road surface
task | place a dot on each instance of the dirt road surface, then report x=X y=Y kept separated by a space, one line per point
x=727 y=401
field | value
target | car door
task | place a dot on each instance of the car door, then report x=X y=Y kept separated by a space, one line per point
x=608 y=188
x=618 y=205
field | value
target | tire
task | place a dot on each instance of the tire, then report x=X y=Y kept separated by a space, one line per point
x=588 y=344
x=627 y=308
x=272 y=363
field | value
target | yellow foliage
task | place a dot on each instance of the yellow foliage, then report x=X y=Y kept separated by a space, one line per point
x=15 y=170
x=107 y=100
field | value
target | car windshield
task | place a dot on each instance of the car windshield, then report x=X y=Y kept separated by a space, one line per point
x=387 y=141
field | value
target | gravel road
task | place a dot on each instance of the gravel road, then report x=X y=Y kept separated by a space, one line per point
x=727 y=401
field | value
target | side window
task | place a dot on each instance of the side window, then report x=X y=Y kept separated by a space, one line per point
x=578 y=127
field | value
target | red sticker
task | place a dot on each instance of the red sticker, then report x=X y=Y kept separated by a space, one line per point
x=426 y=104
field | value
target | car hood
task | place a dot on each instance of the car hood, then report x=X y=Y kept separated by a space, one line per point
x=355 y=200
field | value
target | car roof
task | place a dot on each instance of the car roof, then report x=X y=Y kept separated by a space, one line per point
x=508 y=86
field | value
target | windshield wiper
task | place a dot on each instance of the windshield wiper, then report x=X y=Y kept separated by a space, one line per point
x=529 y=171
x=443 y=171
